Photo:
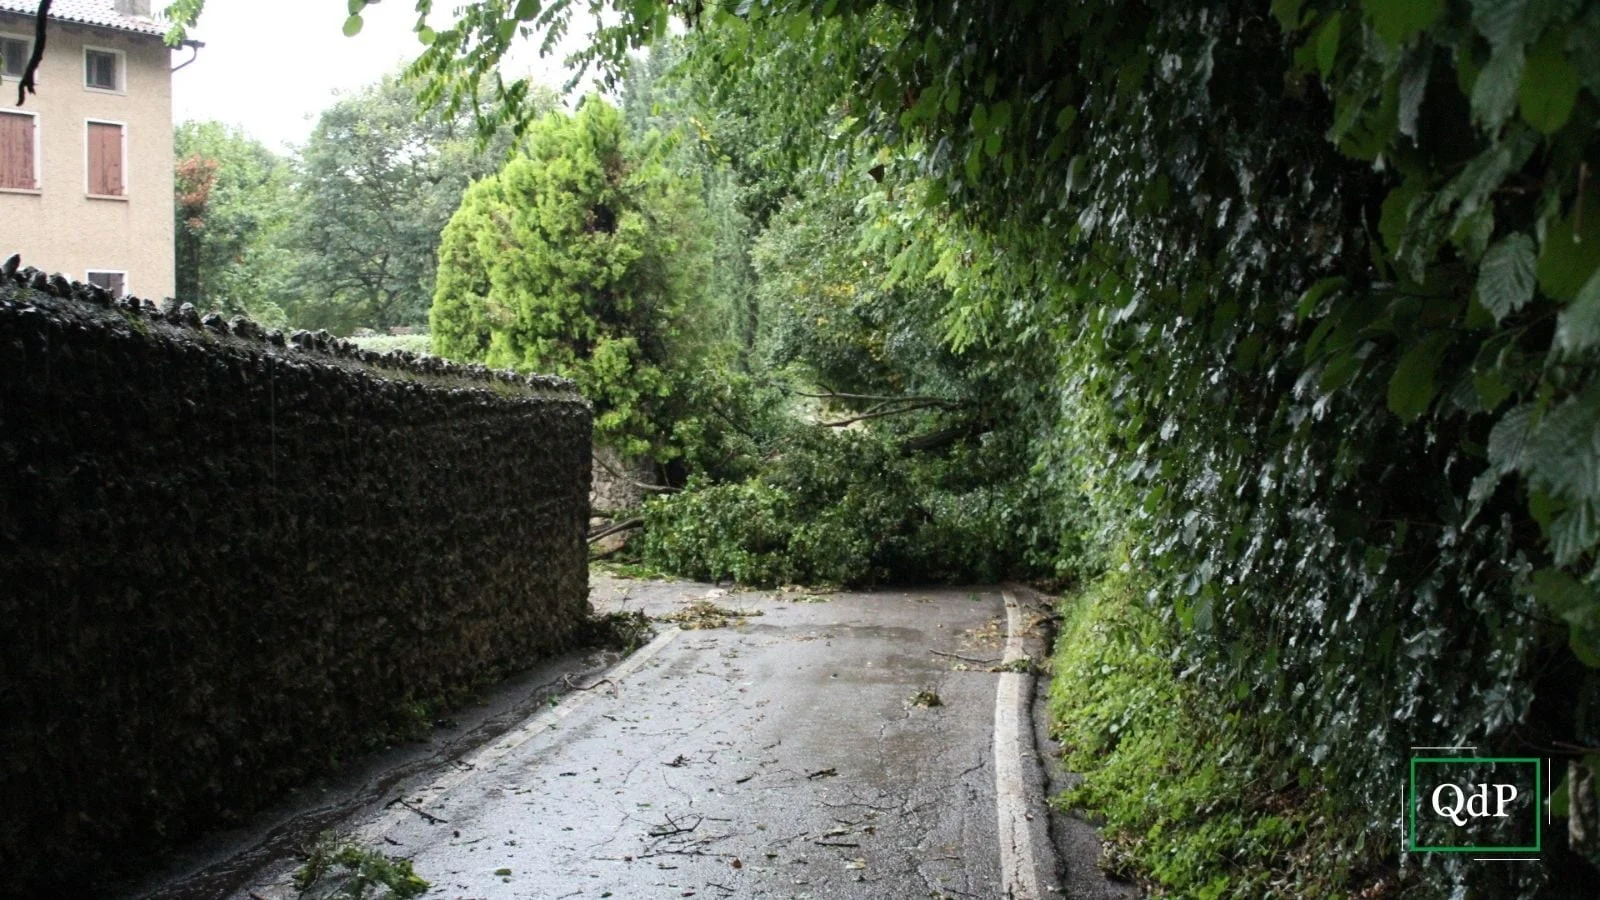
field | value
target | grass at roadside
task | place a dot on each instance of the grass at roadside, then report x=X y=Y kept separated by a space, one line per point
x=1189 y=810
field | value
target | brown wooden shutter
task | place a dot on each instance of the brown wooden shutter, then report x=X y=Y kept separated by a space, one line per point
x=105 y=159
x=16 y=152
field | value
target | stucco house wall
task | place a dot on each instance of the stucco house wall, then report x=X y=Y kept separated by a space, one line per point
x=59 y=227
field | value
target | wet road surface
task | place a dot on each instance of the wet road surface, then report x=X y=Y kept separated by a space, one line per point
x=818 y=746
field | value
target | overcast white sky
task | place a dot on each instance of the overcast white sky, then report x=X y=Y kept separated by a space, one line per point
x=272 y=67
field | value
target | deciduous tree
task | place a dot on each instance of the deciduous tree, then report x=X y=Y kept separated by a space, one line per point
x=233 y=203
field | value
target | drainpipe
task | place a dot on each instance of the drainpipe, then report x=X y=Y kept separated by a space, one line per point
x=192 y=45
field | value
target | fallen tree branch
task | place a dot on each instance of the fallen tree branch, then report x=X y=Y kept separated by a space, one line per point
x=621 y=476
x=916 y=407
x=428 y=817
x=902 y=398
x=938 y=439
x=672 y=827
x=609 y=530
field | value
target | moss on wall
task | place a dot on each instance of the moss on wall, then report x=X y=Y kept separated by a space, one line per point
x=228 y=557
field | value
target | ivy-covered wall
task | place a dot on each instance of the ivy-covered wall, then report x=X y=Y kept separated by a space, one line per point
x=228 y=558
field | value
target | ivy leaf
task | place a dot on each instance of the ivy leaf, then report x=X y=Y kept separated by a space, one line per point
x=1573 y=533
x=1413 y=88
x=1495 y=92
x=1506 y=276
x=1549 y=85
x=526 y=10
x=1492 y=389
x=1395 y=214
x=1077 y=174
x=1287 y=12
x=1568 y=257
x=1565 y=597
x=1341 y=368
x=1397 y=20
x=1585 y=644
x=1563 y=453
x=1501 y=21
x=1312 y=298
x=1412 y=387
x=352 y=26
x=1578 y=327
x=1327 y=44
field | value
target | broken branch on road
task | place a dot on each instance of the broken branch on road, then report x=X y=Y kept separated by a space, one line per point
x=428 y=817
x=672 y=827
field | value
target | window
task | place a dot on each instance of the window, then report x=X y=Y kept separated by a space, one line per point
x=106 y=151
x=19 y=151
x=113 y=281
x=14 y=53
x=102 y=69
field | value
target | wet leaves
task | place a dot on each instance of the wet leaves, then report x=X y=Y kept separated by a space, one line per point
x=705 y=614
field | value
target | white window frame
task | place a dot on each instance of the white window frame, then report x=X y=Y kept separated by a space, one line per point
x=26 y=39
x=38 y=159
x=122 y=70
x=127 y=287
x=127 y=176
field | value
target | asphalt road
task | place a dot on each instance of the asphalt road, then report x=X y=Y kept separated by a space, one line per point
x=818 y=746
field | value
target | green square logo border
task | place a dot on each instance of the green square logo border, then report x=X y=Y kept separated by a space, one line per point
x=1538 y=803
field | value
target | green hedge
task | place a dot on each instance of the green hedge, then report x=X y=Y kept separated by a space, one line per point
x=1193 y=806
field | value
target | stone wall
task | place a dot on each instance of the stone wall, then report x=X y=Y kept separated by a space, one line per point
x=230 y=558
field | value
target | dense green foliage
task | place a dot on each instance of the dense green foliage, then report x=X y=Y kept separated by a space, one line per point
x=1204 y=828
x=232 y=206
x=880 y=458
x=579 y=258
x=379 y=177
x=846 y=508
x=343 y=232
x=1298 y=302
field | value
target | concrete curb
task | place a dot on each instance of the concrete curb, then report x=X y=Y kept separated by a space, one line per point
x=1028 y=863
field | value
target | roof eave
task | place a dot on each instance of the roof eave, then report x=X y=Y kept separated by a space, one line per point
x=97 y=26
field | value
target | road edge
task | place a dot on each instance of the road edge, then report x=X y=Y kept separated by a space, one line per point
x=1028 y=864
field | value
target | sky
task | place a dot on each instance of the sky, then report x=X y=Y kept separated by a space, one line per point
x=271 y=68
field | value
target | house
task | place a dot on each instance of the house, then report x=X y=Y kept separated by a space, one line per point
x=86 y=162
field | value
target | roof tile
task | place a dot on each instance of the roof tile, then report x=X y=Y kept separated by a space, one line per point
x=102 y=13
